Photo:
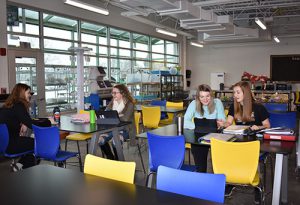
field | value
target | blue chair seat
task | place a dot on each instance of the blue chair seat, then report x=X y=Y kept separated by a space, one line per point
x=15 y=155
x=64 y=155
x=187 y=167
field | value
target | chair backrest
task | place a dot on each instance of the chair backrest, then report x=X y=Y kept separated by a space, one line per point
x=95 y=101
x=158 y=102
x=46 y=142
x=116 y=170
x=297 y=98
x=137 y=117
x=174 y=104
x=283 y=119
x=237 y=160
x=199 y=185
x=84 y=112
x=165 y=150
x=276 y=107
x=4 y=138
x=151 y=116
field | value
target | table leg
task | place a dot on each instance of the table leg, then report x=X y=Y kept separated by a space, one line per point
x=118 y=145
x=284 y=181
x=94 y=143
x=277 y=179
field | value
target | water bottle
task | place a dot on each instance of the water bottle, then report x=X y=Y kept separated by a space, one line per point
x=56 y=114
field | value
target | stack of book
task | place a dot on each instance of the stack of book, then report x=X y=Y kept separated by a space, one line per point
x=236 y=129
x=285 y=134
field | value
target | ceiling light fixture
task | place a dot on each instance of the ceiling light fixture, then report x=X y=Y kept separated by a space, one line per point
x=86 y=6
x=260 y=23
x=169 y=33
x=276 y=39
x=196 y=44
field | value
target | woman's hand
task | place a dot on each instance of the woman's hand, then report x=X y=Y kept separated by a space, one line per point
x=255 y=127
x=23 y=130
x=221 y=123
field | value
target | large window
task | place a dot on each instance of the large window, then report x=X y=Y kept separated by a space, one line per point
x=119 y=51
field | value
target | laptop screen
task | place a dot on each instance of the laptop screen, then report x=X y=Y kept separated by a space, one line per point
x=108 y=117
x=204 y=126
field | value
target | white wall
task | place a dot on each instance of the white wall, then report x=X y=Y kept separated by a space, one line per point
x=3 y=44
x=235 y=59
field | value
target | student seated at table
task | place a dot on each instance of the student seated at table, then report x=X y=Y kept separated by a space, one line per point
x=204 y=106
x=245 y=111
x=122 y=102
x=15 y=114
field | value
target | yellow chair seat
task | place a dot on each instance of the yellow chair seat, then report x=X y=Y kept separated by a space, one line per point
x=188 y=146
x=79 y=137
x=111 y=169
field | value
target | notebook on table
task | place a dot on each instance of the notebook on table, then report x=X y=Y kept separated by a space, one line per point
x=236 y=129
x=219 y=136
x=204 y=126
x=110 y=117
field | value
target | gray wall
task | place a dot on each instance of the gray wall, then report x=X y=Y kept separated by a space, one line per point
x=235 y=59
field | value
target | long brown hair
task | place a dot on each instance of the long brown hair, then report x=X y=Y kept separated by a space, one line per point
x=244 y=112
x=17 y=95
x=199 y=105
x=125 y=93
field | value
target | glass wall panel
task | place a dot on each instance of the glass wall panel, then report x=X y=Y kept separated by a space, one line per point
x=172 y=48
x=119 y=38
x=14 y=40
x=172 y=59
x=157 y=45
x=59 y=59
x=57 y=45
x=140 y=42
x=141 y=55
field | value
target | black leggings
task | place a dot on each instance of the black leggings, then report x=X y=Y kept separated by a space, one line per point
x=200 y=157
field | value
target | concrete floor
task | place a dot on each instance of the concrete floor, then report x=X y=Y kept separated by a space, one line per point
x=240 y=196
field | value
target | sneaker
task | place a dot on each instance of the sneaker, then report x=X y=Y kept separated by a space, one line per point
x=16 y=167
x=257 y=197
x=228 y=190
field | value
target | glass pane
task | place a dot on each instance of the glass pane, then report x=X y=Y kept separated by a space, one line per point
x=172 y=59
x=157 y=45
x=90 y=61
x=172 y=48
x=158 y=57
x=158 y=66
x=59 y=59
x=119 y=69
x=93 y=47
x=32 y=29
x=124 y=53
x=88 y=38
x=57 y=45
x=103 y=50
x=15 y=40
x=103 y=40
x=26 y=72
x=140 y=42
x=141 y=55
x=139 y=64
x=53 y=32
x=119 y=38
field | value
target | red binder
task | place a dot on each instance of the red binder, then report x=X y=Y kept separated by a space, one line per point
x=279 y=137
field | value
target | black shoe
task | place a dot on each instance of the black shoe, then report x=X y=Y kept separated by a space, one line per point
x=229 y=189
x=60 y=164
x=257 y=196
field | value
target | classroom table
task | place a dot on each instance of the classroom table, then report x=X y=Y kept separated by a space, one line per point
x=96 y=130
x=48 y=185
x=281 y=148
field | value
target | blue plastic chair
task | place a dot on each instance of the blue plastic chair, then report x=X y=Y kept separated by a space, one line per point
x=160 y=103
x=283 y=119
x=47 y=142
x=276 y=106
x=199 y=185
x=167 y=151
x=95 y=101
x=4 y=140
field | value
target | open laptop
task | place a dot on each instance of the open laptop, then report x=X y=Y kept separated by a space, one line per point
x=204 y=126
x=110 y=117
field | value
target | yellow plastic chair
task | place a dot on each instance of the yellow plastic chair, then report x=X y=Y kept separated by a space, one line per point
x=151 y=116
x=137 y=117
x=79 y=137
x=170 y=118
x=111 y=169
x=237 y=160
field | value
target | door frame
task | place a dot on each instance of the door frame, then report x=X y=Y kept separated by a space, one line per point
x=40 y=73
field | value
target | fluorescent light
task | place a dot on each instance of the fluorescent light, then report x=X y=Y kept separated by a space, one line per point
x=196 y=44
x=86 y=6
x=261 y=25
x=169 y=33
x=276 y=39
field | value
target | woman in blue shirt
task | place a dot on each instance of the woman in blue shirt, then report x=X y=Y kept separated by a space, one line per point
x=204 y=106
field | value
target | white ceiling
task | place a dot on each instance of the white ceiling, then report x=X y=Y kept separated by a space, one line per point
x=217 y=21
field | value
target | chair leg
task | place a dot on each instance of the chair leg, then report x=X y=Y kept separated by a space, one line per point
x=87 y=146
x=272 y=171
x=147 y=180
x=141 y=157
x=77 y=142
x=189 y=154
x=80 y=163
x=66 y=142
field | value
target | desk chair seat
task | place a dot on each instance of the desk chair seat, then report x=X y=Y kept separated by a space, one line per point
x=47 y=143
x=79 y=137
x=199 y=185
x=4 y=140
x=171 y=116
x=116 y=170
x=238 y=161
x=168 y=151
